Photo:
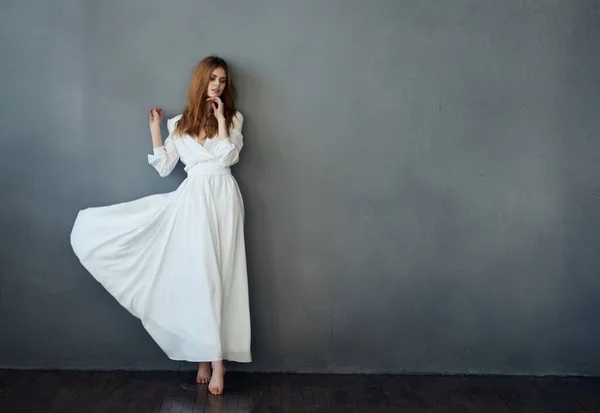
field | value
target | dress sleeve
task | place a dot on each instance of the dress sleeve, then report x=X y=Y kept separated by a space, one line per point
x=166 y=157
x=228 y=150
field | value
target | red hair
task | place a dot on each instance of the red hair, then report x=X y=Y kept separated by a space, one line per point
x=196 y=115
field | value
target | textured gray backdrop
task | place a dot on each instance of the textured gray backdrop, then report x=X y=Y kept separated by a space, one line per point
x=422 y=179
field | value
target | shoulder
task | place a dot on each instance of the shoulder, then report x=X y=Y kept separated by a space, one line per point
x=172 y=122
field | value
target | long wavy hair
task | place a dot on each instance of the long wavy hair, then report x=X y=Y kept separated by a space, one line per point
x=197 y=115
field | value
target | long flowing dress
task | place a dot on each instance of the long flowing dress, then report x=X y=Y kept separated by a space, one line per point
x=177 y=260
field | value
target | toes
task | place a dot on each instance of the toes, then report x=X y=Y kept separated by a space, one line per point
x=215 y=390
x=202 y=379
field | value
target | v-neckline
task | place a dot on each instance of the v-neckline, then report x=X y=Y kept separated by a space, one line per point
x=198 y=143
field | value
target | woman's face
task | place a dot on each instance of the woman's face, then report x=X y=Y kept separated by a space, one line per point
x=216 y=84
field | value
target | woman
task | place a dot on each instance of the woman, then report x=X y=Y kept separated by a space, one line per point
x=177 y=260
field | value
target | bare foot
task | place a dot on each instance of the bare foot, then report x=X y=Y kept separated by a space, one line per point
x=203 y=373
x=217 y=380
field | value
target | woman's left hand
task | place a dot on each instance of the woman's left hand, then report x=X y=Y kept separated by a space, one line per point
x=217 y=106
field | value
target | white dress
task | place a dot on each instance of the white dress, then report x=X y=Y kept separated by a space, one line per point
x=177 y=260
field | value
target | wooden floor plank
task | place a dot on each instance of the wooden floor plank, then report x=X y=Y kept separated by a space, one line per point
x=174 y=392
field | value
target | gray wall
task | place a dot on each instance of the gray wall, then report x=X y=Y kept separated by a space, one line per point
x=422 y=179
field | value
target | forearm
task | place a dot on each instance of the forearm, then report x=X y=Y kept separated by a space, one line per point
x=223 y=133
x=157 y=141
x=228 y=149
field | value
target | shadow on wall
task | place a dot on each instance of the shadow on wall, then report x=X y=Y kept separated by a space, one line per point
x=577 y=331
x=264 y=193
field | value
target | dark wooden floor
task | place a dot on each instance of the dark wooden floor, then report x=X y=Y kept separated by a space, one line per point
x=124 y=392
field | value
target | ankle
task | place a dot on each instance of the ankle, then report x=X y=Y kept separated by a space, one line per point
x=217 y=365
